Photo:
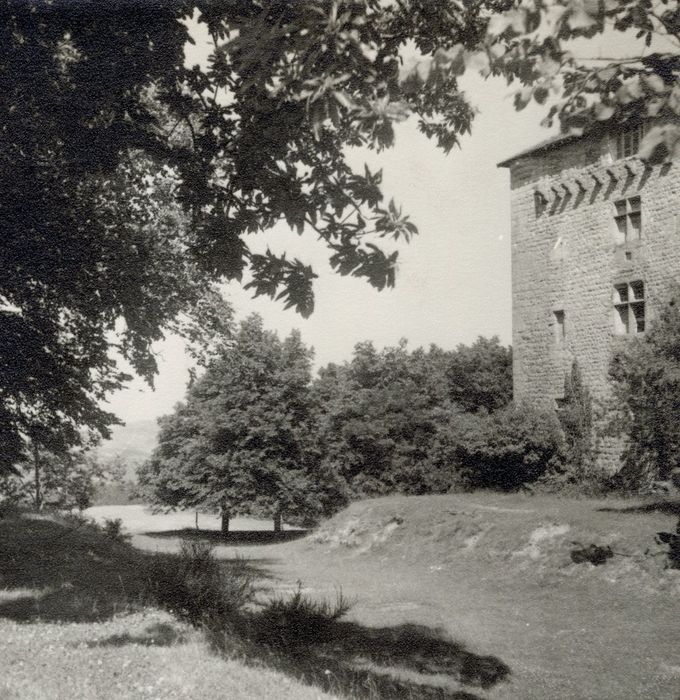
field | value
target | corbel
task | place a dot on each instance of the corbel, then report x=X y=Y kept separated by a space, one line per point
x=540 y=195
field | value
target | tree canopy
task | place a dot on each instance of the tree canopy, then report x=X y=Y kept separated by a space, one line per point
x=132 y=180
x=256 y=436
x=244 y=442
x=480 y=376
x=378 y=414
x=384 y=415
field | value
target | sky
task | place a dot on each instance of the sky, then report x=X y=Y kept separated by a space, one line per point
x=453 y=280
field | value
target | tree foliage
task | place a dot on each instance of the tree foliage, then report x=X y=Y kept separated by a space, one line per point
x=386 y=415
x=64 y=479
x=480 y=376
x=542 y=46
x=378 y=415
x=504 y=450
x=87 y=249
x=645 y=375
x=107 y=133
x=534 y=43
x=114 y=265
x=244 y=442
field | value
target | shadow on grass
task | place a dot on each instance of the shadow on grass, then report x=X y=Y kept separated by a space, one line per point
x=159 y=635
x=407 y=661
x=665 y=506
x=234 y=538
x=59 y=573
x=56 y=572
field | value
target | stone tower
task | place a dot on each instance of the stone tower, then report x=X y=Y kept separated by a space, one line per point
x=595 y=246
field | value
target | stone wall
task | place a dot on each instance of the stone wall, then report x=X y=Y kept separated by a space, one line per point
x=568 y=255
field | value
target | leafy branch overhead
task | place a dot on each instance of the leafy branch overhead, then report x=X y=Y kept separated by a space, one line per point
x=291 y=85
x=288 y=87
x=542 y=46
x=537 y=42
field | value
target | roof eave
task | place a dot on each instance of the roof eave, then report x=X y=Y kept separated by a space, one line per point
x=551 y=144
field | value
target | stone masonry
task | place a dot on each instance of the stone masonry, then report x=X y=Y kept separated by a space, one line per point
x=595 y=246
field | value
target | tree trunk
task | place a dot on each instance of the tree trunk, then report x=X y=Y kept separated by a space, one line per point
x=225 y=523
x=197 y=520
x=277 y=522
x=36 y=467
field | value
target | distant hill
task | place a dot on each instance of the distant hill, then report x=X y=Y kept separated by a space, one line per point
x=134 y=442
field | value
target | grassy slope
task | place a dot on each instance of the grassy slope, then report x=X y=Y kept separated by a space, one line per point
x=73 y=625
x=493 y=572
x=496 y=572
x=141 y=655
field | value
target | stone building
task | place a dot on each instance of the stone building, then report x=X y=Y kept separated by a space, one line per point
x=595 y=246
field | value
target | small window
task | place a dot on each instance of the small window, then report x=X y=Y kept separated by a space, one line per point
x=628 y=141
x=629 y=308
x=560 y=329
x=628 y=220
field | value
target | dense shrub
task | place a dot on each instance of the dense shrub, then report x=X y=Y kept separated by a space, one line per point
x=113 y=530
x=297 y=621
x=443 y=464
x=645 y=375
x=479 y=377
x=195 y=586
x=506 y=449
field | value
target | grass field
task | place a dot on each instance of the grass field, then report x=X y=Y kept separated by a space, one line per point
x=75 y=624
x=469 y=596
x=496 y=573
